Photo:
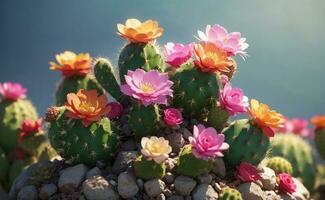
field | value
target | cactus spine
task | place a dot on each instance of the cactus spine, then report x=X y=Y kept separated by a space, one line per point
x=279 y=165
x=218 y=118
x=148 y=169
x=228 y=193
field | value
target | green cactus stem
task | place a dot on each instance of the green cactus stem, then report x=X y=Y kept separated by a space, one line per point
x=279 y=165
x=148 y=169
x=4 y=166
x=228 y=193
x=218 y=117
x=320 y=142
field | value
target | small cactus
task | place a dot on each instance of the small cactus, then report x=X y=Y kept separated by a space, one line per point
x=228 y=193
x=148 y=169
x=4 y=166
x=320 y=141
x=279 y=165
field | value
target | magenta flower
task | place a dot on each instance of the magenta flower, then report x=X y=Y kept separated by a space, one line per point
x=297 y=126
x=233 y=100
x=207 y=143
x=149 y=87
x=173 y=117
x=115 y=111
x=177 y=54
x=247 y=172
x=12 y=91
x=286 y=183
x=232 y=43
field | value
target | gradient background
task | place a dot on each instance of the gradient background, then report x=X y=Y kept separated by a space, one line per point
x=287 y=44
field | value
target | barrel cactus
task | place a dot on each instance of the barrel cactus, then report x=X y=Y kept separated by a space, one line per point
x=228 y=193
x=148 y=169
x=279 y=165
x=319 y=123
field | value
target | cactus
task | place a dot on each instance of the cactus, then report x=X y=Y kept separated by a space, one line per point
x=218 y=117
x=228 y=193
x=299 y=153
x=195 y=92
x=139 y=55
x=105 y=75
x=4 y=166
x=189 y=165
x=44 y=172
x=12 y=115
x=279 y=165
x=320 y=141
x=80 y=144
x=242 y=134
x=143 y=121
x=17 y=167
x=148 y=169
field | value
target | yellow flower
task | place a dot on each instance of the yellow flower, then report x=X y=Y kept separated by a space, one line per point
x=138 y=32
x=265 y=118
x=155 y=148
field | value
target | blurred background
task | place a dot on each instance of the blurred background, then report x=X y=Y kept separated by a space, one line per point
x=285 y=69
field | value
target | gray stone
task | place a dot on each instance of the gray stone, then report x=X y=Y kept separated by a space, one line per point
x=47 y=191
x=71 y=178
x=28 y=193
x=93 y=172
x=301 y=189
x=268 y=178
x=140 y=183
x=176 y=141
x=161 y=197
x=129 y=145
x=154 y=187
x=98 y=188
x=169 y=178
x=184 y=185
x=271 y=195
x=168 y=192
x=3 y=193
x=219 y=168
x=123 y=160
x=186 y=133
x=175 y=197
x=204 y=192
x=287 y=197
x=126 y=185
x=204 y=178
x=251 y=191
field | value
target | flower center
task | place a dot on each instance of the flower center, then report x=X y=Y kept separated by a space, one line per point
x=86 y=106
x=146 y=87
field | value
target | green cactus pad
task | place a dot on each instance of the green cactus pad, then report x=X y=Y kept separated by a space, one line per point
x=320 y=142
x=247 y=143
x=218 y=118
x=143 y=121
x=148 y=169
x=79 y=144
x=105 y=75
x=138 y=55
x=74 y=84
x=279 y=165
x=228 y=193
x=299 y=153
x=4 y=166
x=12 y=115
x=195 y=92
x=17 y=167
x=189 y=165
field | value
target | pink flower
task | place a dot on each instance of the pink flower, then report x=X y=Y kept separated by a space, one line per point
x=232 y=43
x=173 y=117
x=247 y=172
x=224 y=79
x=30 y=127
x=233 y=100
x=177 y=54
x=207 y=143
x=149 y=87
x=297 y=126
x=286 y=183
x=116 y=110
x=12 y=91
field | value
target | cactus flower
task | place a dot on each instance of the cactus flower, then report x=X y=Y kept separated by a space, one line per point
x=266 y=119
x=297 y=126
x=87 y=106
x=207 y=143
x=71 y=64
x=116 y=110
x=177 y=54
x=30 y=127
x=224 y=79
x=138 y=32
x=233 y=100
x=247 y=172
x=149 y=87
x=286 y=183
x=155 y=148
x=210 y=58
x=12 y=91
x=232 y=43
x=318 y=122
x=172 y=117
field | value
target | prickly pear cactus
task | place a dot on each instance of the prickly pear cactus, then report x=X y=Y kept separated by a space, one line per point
x=195 y=92
x=242 y=134
x=12 y=115
x=218 y=117
x=299 y=153
x=148 y=169
x=279 y=165
x=320 y=141
x=228 y=193
x=80 y=144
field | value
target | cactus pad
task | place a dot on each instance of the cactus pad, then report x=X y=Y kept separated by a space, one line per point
x=279 y=165
x=148 y=169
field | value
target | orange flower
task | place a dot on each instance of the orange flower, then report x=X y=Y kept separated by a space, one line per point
x=85 y=105
x=265 y=118
x=138 y=32
x=318 y=121
x=71 y=64
x=210 y=58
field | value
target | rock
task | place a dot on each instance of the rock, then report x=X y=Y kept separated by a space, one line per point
x=93 y=172
x=251 y=191
x=129 y=145
x=123 y=160
x=186 y=133
x=204 y=178
x=176 y=141
x=175 y=197
x=71 y=178
x=28 y=193
x=47 y=191
x=204 y=192
x=184 y=185
x=301 y=189
x=3 y=194
x=217 y=187
x=219 y=168
x=98 y=188
x=161 y=197
x=154 y=187
x=286 y=197
x=140 y=183
x=271 y=195
x=171 y=163
x=126 y=185
x=168 y=193
x=169 y=177
x=268 y=178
